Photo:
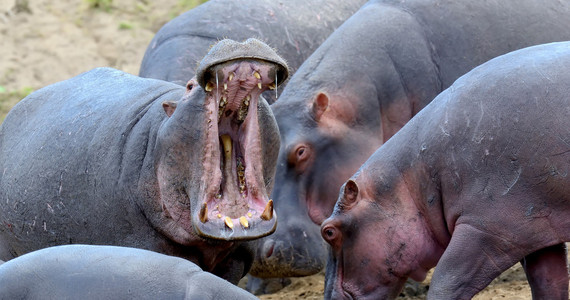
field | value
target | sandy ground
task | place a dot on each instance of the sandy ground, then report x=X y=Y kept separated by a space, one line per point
x=42 y=42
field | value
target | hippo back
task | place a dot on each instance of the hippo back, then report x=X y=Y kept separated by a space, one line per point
x=295 y=28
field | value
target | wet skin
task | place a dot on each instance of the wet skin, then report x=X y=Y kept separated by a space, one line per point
x=110 y=158
x=109 y=272
x=370 y=77
x=473 y=184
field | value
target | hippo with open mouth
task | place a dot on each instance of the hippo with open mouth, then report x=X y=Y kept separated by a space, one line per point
x=111 y=158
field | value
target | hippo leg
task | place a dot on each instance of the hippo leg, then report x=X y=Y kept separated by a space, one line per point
x=456 y=277
x=261 y=286
x=547 y=272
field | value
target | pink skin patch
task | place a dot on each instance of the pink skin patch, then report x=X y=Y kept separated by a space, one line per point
x=235 y=195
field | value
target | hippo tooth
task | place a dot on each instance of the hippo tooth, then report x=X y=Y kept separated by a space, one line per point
x=243 y=222
x=267 y=213
x=229 y=222
x=227 y=142
x=259 y=85
x=225 y=86
x=271 y=86
x=231 y=76
x=204 y=213
x=249 y=214
x=256 y=74
x=219 y=216
x=209 y=87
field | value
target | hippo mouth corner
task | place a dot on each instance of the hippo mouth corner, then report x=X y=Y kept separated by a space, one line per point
x=234 y=203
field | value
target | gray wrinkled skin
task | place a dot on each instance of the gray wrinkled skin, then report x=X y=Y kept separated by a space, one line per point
x=379 y=69
x=79 y=161
x=475 y=183
x=109 y=272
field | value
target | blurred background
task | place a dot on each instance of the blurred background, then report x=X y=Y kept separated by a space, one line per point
x=45 y=41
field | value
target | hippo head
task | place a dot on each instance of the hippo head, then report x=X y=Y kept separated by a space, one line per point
x=234 y=139
x=378 y=238
x=320 y=149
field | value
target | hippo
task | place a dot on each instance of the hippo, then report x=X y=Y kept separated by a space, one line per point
x=294 y=27
x=371 y=76
x=475 y=182
x=111 y=158
x=109 y=272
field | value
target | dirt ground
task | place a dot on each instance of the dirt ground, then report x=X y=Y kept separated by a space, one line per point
x=43 y=41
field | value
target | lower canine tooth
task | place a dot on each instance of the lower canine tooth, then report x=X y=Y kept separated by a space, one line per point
x=203 y=213
x=267 y=213
x=243 y=222
x=259 y=85
x=229 y=222
x=256 y=74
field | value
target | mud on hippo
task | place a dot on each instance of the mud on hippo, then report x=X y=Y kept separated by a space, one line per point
x=373 y=74
x=110 y=158
x=473 y=184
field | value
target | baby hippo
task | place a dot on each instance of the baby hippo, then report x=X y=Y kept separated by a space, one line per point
x=109 y=272
x=476 y=182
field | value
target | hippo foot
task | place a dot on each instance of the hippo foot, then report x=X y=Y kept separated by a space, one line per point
x=261 y=286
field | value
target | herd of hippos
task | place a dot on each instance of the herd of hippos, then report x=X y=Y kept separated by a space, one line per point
x=375 y=140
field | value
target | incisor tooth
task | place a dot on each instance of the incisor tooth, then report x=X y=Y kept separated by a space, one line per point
x=256 y=74
x=219 y=216
x=227 y=142
x=243 y=222
x=249 y=214
x=229 y=222
x=203 y=213
x=209 y=87
x=267 y=213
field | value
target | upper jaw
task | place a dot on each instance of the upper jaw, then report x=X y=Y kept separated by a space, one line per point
x=234 y=202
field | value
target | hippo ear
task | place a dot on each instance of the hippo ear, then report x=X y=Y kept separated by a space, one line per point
x=169 y=107
x=320 y=104
x=350 y=193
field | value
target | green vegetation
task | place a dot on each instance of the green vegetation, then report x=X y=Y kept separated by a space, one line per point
x=125 y=25
x=100 y=4
x=9 y=98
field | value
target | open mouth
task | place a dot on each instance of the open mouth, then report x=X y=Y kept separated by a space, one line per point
x=235 y=203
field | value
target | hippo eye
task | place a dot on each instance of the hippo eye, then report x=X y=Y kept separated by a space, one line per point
x=301 y=153
x=329 y=233
x=299 y=157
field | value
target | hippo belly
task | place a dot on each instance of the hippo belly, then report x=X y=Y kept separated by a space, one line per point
x=109 y=272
